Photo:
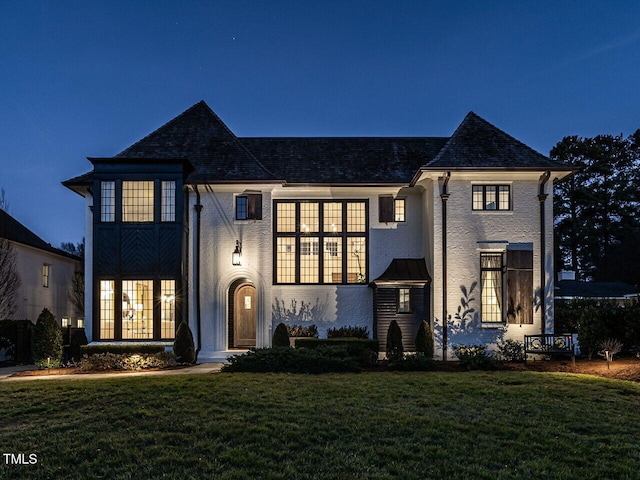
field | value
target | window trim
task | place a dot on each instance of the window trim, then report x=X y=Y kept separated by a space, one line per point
x=388 y=209
x=46 y=274
x=399 y=294
x=502 y=278
x=496 y=188
x=138 y=214
x=252 y=207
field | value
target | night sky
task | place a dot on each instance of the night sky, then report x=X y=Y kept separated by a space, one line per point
x=89 y=78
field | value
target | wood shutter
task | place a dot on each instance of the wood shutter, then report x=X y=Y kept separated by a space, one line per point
x=520 y=286
x=254 y=206
x=386 y=209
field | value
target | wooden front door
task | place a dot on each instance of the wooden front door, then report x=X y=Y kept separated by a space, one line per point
x=244 y=316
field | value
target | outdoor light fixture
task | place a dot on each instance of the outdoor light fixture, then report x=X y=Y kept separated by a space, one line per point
x=235 y=258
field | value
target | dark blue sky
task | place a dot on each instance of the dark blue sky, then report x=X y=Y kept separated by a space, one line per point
x=89 y=78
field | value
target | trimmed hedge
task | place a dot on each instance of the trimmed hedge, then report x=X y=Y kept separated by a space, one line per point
x=122 y=349
x=18 y=332
x=348 y=332
x=281 y=336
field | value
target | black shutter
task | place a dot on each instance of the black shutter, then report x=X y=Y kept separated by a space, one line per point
x=254 y=206
x=386 y=209
x=520 y=286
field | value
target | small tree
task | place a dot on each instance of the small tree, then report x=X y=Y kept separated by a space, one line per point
x=395 y=350
x=183 y=346
x=424 y=340
x=281 y=336
x=47 y=341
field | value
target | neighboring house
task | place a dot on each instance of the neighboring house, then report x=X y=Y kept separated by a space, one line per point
x=619 y=293
x=46 y=275
x=235 y=235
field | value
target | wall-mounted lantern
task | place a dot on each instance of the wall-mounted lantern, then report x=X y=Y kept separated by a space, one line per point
x=235 y=257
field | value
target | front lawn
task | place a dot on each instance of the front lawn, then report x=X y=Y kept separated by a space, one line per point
x=476 y=425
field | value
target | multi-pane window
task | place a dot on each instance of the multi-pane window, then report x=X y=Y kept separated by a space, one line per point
x=491 y=281
x=391 y=209
x=45 y=275
x=137 y=309
x=168 y=201
x=107 y=201
x=137 y=201
x=168 y=308
x=65 y=322
x=320 y=241
x=404 y=300
x=491 y=197
x=399 y=209
x=107 y=309
x=249 y=206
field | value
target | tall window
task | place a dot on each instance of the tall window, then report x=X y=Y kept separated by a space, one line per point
x=491 y=280
x=491 y=197
x=45 y=275
x=107 y=312
x=168 y=201
x=137 y=201
x=107 y=201
x=137 y=309
x=168 y=308
x=404 y=300
x=320 y=241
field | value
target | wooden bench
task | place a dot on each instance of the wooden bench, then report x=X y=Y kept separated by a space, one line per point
x=550 y=344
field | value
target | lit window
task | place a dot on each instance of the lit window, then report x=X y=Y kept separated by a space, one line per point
x=491 y=280
x=137 y=309
x=168 y=308
x=404 y=300
x=491 y=197
x=66 y=322
x=45 y=275
x=81 y=323
x=107 y=312
x=168 y=201
x=107 y=201
x=137 y=201
x=391 y=209
x=399 y=209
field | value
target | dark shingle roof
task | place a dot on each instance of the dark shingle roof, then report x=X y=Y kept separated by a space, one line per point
x=478 y=144
x=405 y=270
x=576 y=288
x=13 y=230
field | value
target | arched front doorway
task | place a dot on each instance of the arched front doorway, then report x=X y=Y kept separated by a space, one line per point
x=242 y=314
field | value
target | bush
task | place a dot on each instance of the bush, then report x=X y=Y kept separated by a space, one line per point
x=303 y=331
x=78 y=339
x=424 y=340
x=112 y=361
x=414 y=363
x=183 y=347
x=290 y=360
x=512 y=350
x=475 y=357
x=146 y=348
x=395 y=350
x=591 y=330
x=47 y=341
x=348 y=332
x=281 y=336
x=365 y=351
x=18 y=332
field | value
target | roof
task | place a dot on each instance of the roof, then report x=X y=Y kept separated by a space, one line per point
x=578 y=289
x=199 y=137
x=477 y=144
x=14 y=231
x=405 y=270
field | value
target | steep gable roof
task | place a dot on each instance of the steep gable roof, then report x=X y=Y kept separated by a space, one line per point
x=199 y=136
x=477 y=144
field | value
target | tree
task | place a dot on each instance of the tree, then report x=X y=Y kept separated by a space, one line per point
x=395 y=349
x=76 y=249
x=9 y=278
x=424 y=340
x=281 y=336
x=47 y=341
x=76 y=291
x=183 y=345
x=596 y=208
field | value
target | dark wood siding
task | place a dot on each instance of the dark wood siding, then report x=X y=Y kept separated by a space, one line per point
x=385 y=301
x=520 y=286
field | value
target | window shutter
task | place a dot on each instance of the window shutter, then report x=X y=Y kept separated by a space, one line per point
x=520 y=286
x=254 y=206
x=386 y=209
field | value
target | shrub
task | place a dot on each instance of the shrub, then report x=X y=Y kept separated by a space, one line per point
x=78 y=339
x=424 y=340
x=475 y=357
x=183 y=347
x=281 y=336
x=303 y=331
x=414 y=363
x=512 y=350
x=47 y=341
x=290 y=360
x=395 y=350
x=112 y=361
x=348 y=332
x=591 y=330
x=365 y=351
x=141 y=349
x=18 y=332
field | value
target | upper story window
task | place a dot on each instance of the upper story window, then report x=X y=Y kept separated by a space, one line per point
x=168 y=201
x=137 y=201
x=249 y=206
x=491 y=197
x=320 y=242
x=45 y=275
x=108 y=201
x=391 y=209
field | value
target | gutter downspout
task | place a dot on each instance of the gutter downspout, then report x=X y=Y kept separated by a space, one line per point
x=544 y=178
x=198 y=208
x=444 y=196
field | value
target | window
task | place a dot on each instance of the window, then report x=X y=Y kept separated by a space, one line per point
x=491 y=279
x=107 y=201
x=65 y=322
x=404 y=300
x=249 y=206
x=45 y=275
x=168 y=308
x=137 y=201
x=107 y=312
x=491 y=197
x=168 y=202
x=137 y=309
x=81 y=323
x=390 y=209
x=320 y=241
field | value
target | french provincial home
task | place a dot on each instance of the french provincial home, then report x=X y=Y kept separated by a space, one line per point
x=235 y=235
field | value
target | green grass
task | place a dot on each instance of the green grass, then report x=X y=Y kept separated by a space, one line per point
x=476 y=425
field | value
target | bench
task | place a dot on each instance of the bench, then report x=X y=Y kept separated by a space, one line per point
x=550 y=344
